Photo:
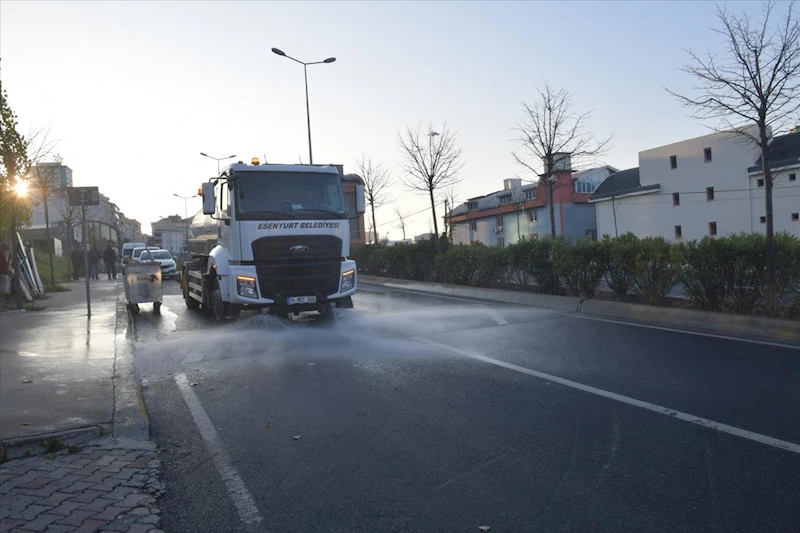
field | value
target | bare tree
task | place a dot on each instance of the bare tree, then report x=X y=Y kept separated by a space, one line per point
x=449 y=197
x=755 y=82
x=551 y=135
x=430 y=164
x=401 y=219
x=43 y=177
x=371 y=231
x=376 y=180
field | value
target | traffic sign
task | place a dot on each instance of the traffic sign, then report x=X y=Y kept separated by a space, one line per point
x=79 y=196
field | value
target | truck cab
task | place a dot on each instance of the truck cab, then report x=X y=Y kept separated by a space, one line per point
x=283 y=241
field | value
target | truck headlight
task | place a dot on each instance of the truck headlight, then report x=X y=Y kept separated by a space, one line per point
x=246 y=286
x=348 y=280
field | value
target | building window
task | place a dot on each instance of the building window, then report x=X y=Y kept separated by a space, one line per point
x=760 y=182
x=473 y=225
x=712 y=228
x=533 y=216
x=499 y=221
x=506 y=199
x=472 y=206
x=530 y=194
x=584 y=187
x=709 y=194
x=795 y=216
x=792 y=177
x=676 y=198
x=707 y=155
x=763 y=220
x=673 y=161
x=678 y=233
x=501 y=242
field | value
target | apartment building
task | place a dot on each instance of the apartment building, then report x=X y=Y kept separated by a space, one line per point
x=710 y=185
x=519 y=209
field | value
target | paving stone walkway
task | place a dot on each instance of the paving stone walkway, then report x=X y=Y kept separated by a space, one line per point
x=107 y=485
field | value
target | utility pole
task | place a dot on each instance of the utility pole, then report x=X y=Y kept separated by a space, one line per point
x=84 y=196
x=85 y=260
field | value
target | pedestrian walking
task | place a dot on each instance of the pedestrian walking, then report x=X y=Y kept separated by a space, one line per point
x=94 y=262
x=110 y=258
x=77 y=261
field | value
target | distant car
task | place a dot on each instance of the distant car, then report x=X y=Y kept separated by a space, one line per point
x=129 y=247
x=138 y=251
x=168 y=268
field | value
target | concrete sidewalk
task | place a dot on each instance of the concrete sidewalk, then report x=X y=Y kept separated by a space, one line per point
x=56 y=365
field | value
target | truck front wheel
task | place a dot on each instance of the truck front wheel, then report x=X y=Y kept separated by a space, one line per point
x=222 y=310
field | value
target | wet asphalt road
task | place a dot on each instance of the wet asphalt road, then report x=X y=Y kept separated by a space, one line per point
x=363 y=425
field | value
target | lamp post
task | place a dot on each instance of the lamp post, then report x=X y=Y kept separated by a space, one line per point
x=281 y=53
x=217 y=159
x=186 y=216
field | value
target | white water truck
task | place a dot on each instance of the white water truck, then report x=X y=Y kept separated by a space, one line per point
x=283 y=240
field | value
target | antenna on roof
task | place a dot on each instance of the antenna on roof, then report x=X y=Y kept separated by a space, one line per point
x=300 y=159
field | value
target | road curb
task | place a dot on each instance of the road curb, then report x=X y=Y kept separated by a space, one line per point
x=30 y=446
x=130 y=419
x=740 y=326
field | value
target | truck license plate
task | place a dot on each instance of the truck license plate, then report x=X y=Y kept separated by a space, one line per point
x=293 y=300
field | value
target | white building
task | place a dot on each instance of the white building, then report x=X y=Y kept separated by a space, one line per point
x=171 y=233
x=52 y=175
x=710 y=185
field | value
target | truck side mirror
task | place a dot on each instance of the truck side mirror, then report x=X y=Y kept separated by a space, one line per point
x=209 y=202
x=361 y=206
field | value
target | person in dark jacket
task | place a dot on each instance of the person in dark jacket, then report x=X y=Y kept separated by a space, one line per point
x=94 y=262
x=110 y=258
x=77 y=261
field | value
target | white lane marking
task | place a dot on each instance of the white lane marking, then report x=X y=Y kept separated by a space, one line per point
x=686 y=331
x=686 y=417
x=242 y=500
x=582 y=316
x=497 y=317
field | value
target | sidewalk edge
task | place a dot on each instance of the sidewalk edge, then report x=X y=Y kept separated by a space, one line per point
x=749 y=328
x=29 y=446
x=130 y=419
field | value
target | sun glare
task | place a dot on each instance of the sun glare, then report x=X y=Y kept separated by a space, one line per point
x=21 y=189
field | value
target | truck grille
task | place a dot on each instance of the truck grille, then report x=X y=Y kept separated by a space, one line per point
x=298 y=265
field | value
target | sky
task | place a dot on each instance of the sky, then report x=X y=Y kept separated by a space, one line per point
x=134 y=91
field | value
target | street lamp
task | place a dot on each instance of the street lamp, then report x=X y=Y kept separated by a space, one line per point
x=217 y=159
x=280 y=52
x=186 y=214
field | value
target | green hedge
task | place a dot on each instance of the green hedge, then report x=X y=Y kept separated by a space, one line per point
x=718 y=274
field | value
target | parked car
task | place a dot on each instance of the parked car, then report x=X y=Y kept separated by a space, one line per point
x=168 y=268
x=138 y=251
x=129 y=247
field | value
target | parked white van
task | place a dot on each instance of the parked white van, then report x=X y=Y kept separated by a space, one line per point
x=127 y=250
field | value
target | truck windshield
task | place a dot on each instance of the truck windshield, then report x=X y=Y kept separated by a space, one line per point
x=294 y=195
